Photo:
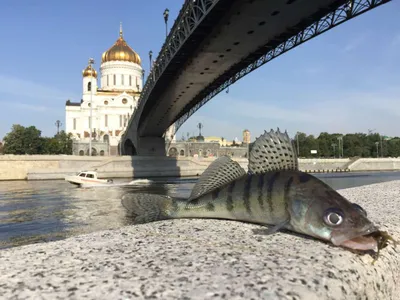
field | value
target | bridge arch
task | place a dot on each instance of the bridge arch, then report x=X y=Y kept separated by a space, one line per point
x=129 y=148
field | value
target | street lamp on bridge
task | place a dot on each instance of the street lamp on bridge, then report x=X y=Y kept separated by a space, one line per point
x=166 y=14
x=150 y=58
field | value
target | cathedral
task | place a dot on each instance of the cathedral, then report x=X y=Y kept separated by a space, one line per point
x=108 y=106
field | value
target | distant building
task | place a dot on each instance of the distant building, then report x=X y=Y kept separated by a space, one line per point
x=246 y=136
x=113 y=102
x=204 y=149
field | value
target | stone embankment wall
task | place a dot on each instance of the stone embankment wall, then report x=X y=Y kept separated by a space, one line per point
x=324 y=165
x=38 y=167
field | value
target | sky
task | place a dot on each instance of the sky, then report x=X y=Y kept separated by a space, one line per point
x=346 y=80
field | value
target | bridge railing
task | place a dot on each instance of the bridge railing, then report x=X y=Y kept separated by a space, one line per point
x=190 y=15
x=343 y=13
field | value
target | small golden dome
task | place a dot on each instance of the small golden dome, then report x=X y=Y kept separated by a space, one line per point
x=121 y=51
x=88 y=72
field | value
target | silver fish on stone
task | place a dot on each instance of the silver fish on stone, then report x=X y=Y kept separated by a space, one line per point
x=274 y=192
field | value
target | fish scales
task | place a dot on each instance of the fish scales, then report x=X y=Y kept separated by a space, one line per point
x=257 y=198
x=272 y=192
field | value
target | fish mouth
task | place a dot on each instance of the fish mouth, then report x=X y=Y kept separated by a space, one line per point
x=360 y=240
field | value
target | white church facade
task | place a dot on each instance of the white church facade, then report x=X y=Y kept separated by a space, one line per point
x=111 y=104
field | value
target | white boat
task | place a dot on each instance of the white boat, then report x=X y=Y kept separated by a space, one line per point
x=87 y=177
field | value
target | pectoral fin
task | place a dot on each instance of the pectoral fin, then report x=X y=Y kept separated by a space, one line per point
x=272 y=229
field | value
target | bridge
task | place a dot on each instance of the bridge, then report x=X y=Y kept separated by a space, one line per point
x=213 y=44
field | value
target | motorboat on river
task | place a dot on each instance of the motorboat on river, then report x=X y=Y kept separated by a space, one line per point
x=87 y=177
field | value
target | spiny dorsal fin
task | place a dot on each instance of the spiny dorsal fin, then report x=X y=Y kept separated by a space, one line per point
x=220 y=172
x=272 y=151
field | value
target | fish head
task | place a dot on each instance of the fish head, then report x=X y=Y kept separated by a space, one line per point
x=319 y=211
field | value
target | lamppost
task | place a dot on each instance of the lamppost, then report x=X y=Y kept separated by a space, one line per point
x=166 y=14
x=334 y=148
x=58 y=124
x=150 y=58
x=199 y=126
x=340 y=141
x=298 y=147
x=91 y=62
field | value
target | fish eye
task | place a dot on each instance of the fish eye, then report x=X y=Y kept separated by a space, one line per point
x=333 y=217
x=360 y=209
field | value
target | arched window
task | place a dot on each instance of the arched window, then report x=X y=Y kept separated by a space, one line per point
x=89 y=86
x=115 y=79
x=182 y=153
x=81 y=153
x=122 y=79
x=108 y=81
x=130 y=80
x=173 y=152
x=102 y=153
x=106 y=138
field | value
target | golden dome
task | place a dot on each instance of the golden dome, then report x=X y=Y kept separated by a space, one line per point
x=89 y=72
x=121 y=51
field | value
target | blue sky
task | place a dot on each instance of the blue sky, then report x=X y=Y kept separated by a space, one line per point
x=346 y=80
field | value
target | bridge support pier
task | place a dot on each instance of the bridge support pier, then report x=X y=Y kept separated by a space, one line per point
x=151 y=146
x=145 y=146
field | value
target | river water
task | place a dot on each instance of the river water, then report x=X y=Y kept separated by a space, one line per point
x=40 y=211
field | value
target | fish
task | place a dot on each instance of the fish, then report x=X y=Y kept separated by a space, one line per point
x=273 y=193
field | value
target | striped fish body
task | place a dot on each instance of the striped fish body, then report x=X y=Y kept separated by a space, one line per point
x=261 y=199
x=272 y=192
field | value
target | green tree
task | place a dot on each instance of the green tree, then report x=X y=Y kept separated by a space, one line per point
x=61 y=143
x=23 y=140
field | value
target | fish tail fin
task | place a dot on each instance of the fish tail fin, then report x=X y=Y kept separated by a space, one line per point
x=144 y=208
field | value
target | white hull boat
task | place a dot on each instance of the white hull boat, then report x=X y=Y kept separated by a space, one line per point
x=87 y=177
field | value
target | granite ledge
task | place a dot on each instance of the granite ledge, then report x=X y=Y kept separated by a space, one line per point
x=207 y=259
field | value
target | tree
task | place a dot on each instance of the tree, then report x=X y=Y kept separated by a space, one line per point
x=61 y=143
x=23 y=140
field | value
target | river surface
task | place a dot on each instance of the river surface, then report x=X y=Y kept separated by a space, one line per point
x=40 y=211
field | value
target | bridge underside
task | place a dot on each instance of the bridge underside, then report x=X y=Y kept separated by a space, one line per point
x=232 y=31
x=229 y=36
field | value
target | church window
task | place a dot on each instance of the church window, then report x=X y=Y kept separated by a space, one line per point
x=124 y=101
x=108 y=81
x=89 y=86
x=106 y=120
x=122 y=79
x=105 y=102
x=74 y=123
x=115 y=79
x=130 y=80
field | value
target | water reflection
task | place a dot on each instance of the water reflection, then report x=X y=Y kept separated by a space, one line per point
x=40 y=211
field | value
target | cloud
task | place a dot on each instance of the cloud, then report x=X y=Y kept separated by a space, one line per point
x=343 y=112
x=354 y=43
x=212 y=127
x=29 y=107
x=396 y=40
x=25 y=88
